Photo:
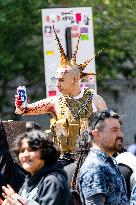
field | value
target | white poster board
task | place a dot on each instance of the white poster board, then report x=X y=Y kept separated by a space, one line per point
x=79 y=20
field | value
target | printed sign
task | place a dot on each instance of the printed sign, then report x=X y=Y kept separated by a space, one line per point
x=49 y=52
x=78 y=20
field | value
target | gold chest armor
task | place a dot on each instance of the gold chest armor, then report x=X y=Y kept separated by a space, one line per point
x=74 y=115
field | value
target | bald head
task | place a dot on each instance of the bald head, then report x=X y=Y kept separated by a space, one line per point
x=72 y=70
x=67 y=80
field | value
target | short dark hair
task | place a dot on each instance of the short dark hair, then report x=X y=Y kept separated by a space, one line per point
x=96 y=120
x=38 y=141
x=30 y=125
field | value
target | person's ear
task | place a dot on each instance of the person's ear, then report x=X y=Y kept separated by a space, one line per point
x=95 y=133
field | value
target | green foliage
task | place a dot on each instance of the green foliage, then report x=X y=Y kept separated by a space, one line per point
x=114 y=31
x=21 y=40
x=21 y=45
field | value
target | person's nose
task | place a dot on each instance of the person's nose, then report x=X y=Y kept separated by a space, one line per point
x=57 y=83
x=26 y=153
x=120 y=134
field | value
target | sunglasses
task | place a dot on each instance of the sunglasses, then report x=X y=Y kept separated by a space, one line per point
x=105 y=114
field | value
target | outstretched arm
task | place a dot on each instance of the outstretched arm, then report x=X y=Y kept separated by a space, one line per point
x=99 y=103
x=40 y=107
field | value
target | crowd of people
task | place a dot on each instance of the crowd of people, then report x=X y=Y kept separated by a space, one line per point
x=84 y=148
x=99 y=180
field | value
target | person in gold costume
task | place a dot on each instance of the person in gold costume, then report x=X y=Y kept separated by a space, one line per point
x=72 y=108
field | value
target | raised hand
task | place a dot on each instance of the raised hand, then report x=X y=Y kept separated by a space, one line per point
x=20 y=109
x=10 y=197
x=18 y=101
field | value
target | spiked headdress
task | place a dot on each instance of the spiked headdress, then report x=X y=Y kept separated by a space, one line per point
x=65 y=61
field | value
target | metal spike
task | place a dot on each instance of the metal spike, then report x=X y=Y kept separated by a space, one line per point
x=83 y=65
x=75 y=52
x=62 y=53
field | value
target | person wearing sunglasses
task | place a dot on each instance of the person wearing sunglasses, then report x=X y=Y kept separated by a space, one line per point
x=100 y=180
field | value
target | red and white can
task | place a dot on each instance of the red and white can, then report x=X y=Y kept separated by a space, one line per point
x=21 y=92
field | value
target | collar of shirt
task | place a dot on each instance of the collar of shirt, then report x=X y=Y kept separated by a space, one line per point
x=104 y=157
